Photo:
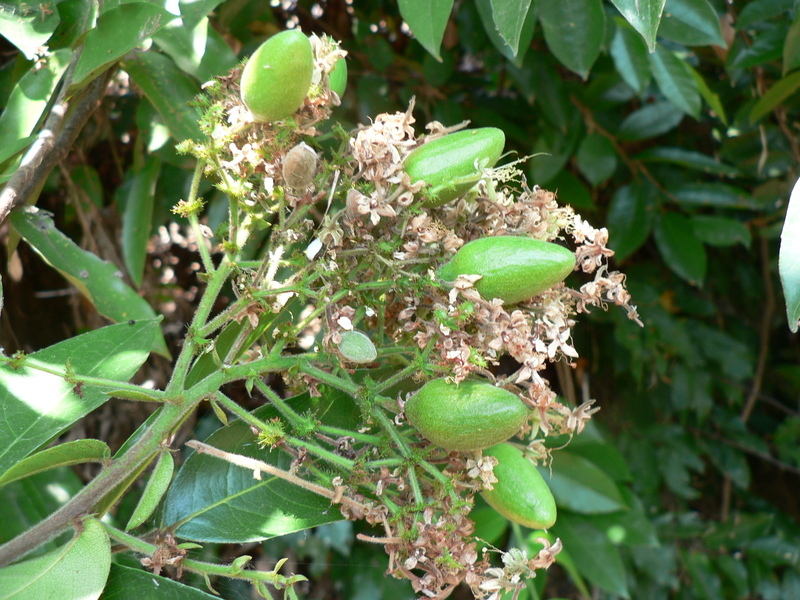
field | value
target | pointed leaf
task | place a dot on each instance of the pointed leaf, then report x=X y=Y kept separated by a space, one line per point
x=37 y=406
x=28 y=26
x=126 y=583
x=691 y=23
x=138 y=216
x=675 y=81
x=118 y=31
x=580 y=486
x=791 y=48
x=509 y=17
x=688 y=159
x=596 y=158
x=75 y=452
x=775 y=95
x=720 y=231
x=574 y=31
x=644 y=16
x=77 y=570
x=630 y=218
x=650 y=121
x=789 y=259
x=427 y=20
x=629 y=52
x=198 y=50
x=99 y=281
x=485 y=10
x=711 y=98
x=156 y=487
x=712 y=194
x=756 y=11
x=680 y=249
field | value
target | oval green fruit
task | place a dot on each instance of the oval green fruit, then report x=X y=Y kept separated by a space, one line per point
x=357 y=347
x=277 y=77
x=514 y=268
x=337 y=79
x=453 y=164
x=521 y=494
x=469 y=416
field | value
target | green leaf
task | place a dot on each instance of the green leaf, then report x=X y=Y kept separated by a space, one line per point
x=592 y=552
x=680 y=249
x=596 y=158
x=712 y=194
x=644 y=16
x=574 y=31
x=100 y=281
x=629 y=52
x=712 y=99
x=630 y=218
x=527 y=27
x=720 y=231
x=580 y=486
x=77 y=17
x=77 y=570
x=791 y=47
x=125 y=583
x=775 y=96
x=28 y=102
x=427 y=20
x=199 y=51
x=650 y=121
x=688 y=159
x=631 y=527
x=571 y=190
x=604 y=455
x=63 y=455
x=756 y=11
x=28 y=25
x=675 y=81
x=138 y=216
x=238 y=507
x=37 y=406
x=509 y=17
x=706 y=583
x=731 y=462
x=691 y=23
x=789 y=258
x=169 y=89
x=734 y=570
x=765 y=46
x=118 y=31
x=156 y=487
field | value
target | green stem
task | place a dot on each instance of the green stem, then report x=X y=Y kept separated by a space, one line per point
x=338 y=432
x=332 y=380
x=295 y=420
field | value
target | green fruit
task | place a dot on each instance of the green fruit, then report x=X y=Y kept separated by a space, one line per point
x=521 y=493
x=469 y=416
x=514 y=268
x=277 y=77
x=452 y=165
x=337 y=80
x=357 y=347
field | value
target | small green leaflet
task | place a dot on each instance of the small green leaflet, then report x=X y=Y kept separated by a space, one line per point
x=789 y=258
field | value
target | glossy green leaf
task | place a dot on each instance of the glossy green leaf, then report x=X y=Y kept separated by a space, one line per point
x=791 y=48
x=650 y=121
x=720 y=231
x=77 y=17
x=596 y=158
x=99 y=281
x=691 y=23
x=712 y=194
x=631 y=527
x=211 y=500
x=509 y=17
x=169 y=89
x=688 y=159
x=37 y=406
x=580 y=486
x=765 y=46
x=675 y=81
x=156 y=487
x=681 y=250
x=571 y=190
x=78 y=570
x=138 y=216
x=711 y=98
x=734 y=571
x=574 y=31
x=118 y=31
x=706 y=582
x=629 y=52
x=28 y=25
x=762 y=10
x=75 y=452
x=775 y=95
x=427 y=20
x=789 y=258
x=28 y=102
x=516 y=56
x=644 y=16
x=630 y=218
x=604 y=455
x=126 y=583
x=199 y=50
x=595 y=556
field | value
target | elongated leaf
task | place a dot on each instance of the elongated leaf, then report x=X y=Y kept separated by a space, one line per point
x=427 y=20
x=689 y=159
x=691 y=23
x=706 y=583
x=675 y=81
x=485 y=10
x=711 y=98
x=138 y=216
x=629 y=52
x=712 y=194
x=70 y=453
x=198 y=50
x=766 y=46
x=580 y=486
x=775 y=95
x=96 y=279
x=629 y=528
x=597 y=158
x=509 y=17
x=644 y=16
x=789 y=259
x=118 y=31
x=28 y=26
x=125 y=583
x=650 y=121
x=37 y=406
x=720 y=231
x=680 y=249
x=756 y=11
x=574 y=31
x=169 y=89
x=791 y=48
x=630 y=218
x=77 y=570
x=593 y=553
x=156 y=487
